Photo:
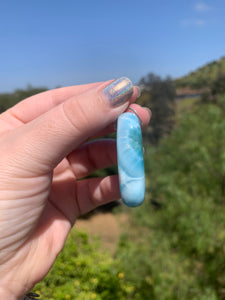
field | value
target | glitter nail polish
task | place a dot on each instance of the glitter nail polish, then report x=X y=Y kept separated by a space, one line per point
x=119 y=91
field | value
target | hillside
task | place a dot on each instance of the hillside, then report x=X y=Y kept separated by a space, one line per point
x=203 y=77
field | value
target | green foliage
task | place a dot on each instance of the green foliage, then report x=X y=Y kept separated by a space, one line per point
x=200 y=148
x=161 y=100
x=83 y=272
x=204 y=76
x=186 y=105
x=218 y=86
x=177 y=250
x=10 y=99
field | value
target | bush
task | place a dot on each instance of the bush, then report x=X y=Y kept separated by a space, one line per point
x=177 y=250
x=84 y=272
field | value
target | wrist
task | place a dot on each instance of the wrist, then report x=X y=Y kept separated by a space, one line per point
x=12 y=285
x=7 y=294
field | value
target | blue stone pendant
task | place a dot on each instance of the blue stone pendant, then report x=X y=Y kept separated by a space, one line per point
x=130 y=160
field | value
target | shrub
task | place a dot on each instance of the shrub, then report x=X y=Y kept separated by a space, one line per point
x=84 y=272
x=177 y=250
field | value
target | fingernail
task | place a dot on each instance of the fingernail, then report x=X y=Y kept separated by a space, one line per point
x=119 y=91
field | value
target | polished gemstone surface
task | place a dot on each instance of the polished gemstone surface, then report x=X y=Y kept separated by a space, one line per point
x=130 y=159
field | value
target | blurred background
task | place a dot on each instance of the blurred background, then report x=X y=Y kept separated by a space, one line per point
x=173 y=246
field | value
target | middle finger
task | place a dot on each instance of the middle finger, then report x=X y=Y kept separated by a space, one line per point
x=92 y=156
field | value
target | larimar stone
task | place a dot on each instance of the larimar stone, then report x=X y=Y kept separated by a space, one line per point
x=130 y=159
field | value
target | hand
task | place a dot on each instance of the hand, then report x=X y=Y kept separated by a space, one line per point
x=44 y=150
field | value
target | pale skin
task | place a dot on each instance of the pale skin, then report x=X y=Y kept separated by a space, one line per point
x=44 y=150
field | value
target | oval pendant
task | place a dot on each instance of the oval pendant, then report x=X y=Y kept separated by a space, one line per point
x=130 y=160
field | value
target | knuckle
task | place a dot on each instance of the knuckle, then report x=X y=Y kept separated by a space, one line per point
x=75 y=115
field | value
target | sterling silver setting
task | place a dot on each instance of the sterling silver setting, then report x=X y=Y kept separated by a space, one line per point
x=137 y=115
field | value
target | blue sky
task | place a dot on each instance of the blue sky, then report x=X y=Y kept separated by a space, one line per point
x=58 y=43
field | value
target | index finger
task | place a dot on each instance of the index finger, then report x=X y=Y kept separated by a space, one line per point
x=34 y=106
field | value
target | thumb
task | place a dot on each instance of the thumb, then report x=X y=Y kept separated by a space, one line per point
x=53 y=135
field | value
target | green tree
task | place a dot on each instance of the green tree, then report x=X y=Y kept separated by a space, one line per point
x=9 y=99
x=162 y=102
x=218 y=86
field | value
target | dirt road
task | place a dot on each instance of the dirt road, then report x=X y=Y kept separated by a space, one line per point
x=106 y=226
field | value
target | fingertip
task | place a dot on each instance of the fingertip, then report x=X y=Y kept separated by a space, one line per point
x=136 y=94
x=138 y=89
x=149 y=112
x=144 y=113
